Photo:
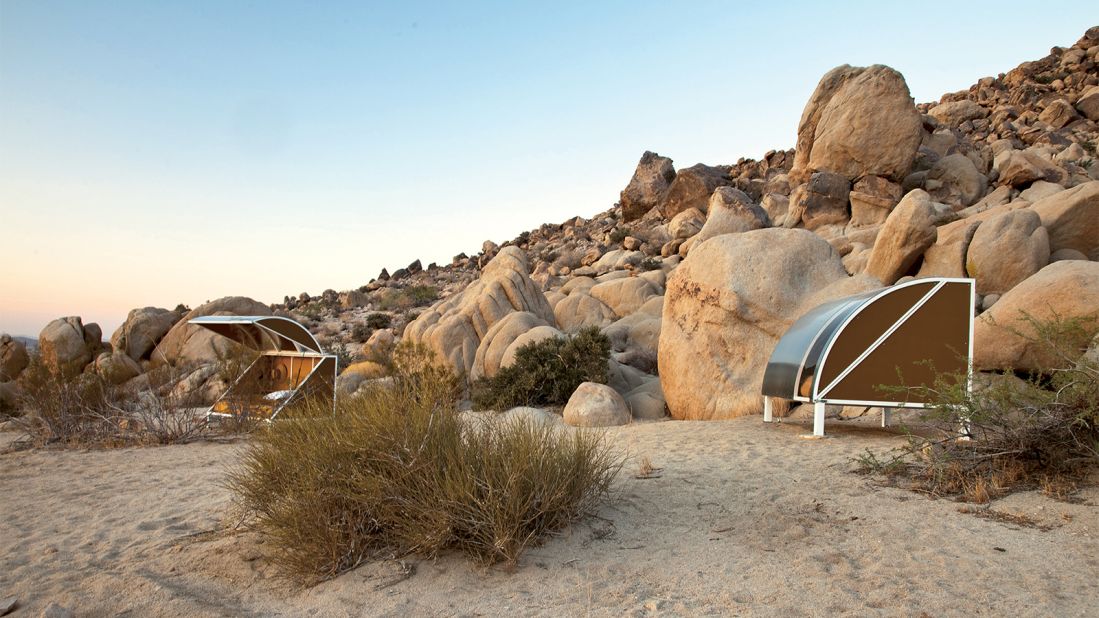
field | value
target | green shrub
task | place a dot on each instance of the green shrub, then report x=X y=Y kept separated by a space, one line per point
x=398 y=471
x=407 y=298
x=379 y=321
x=360 y=332
x=546 y=372
x=650 y=263
x=1009 y=433
x=619 y=234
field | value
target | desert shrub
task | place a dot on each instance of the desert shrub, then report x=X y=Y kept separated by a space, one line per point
x=407 y=298
x=650 y=263
x=361 y=332
x=546 y=372
x=343 y=357
x=379 y=321
x=1037 y=430
x=619 y=234
x=397 y=470
x=86 y=411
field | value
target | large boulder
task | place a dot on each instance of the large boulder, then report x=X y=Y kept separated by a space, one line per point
x=955 y=180
x=819 y=202
x=63 y=346
x=142 y=330
x=624 y=296
x=1072 y=218
x=907 y=233
x=579 y=309
x=687 y=223
x=13 y=358
x=455 y=327
x=596 y=405
x=1015 y=168
x=692 y=188
x=954 y=113
x=858 y=122
x=731 y=212
x=116 y=367
x=872 y=199
x=648 y=187
x=1088 y=104
x=187 y=344
x=726 y=307
x=946 y=258
x=1007 y=249
x=1004 y=336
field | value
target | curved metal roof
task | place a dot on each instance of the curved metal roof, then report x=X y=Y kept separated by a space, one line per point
x=844 y=351
x=264 y=333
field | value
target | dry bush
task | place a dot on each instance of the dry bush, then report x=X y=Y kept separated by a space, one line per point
x=397 y=470
x=1012 y=432
x=86 y=411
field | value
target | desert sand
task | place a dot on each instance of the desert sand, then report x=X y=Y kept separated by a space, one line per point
x=743 y=519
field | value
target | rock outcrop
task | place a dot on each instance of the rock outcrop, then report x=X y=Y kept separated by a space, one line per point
x=455 y=327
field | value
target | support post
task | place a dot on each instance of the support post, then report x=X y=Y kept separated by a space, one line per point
x=885 y=417
x=768 y=410
x=818 y=419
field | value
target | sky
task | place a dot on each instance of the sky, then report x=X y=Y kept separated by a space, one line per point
x=156 y=153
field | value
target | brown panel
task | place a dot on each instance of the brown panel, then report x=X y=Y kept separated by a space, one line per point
x=867 y=326
x=937 y=333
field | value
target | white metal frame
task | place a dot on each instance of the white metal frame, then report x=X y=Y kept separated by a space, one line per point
x=820 y=399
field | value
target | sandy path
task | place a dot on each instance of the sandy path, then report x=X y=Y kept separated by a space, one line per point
x=746 y=519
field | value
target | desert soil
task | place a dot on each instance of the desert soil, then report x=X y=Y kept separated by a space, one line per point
x=743 y=519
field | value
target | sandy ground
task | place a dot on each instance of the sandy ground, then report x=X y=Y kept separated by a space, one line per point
x=746 y=519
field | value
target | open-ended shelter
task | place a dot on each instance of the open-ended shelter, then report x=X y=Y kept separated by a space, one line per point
x=291 y=366
x=871 y=349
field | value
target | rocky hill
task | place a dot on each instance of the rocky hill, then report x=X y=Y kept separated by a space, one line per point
x=696 y=272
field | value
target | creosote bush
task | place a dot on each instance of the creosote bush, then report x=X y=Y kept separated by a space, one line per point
x=397 y=470
x=1012 y=432
x=407 y=298
x=546 y=372
x=378 y=321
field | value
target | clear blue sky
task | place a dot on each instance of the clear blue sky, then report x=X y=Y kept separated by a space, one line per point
x=153 y=153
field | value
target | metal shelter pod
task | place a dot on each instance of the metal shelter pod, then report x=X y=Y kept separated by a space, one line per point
x=291 y=366
x=866 y=349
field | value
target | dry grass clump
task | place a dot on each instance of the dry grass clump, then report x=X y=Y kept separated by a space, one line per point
x=546 y=372
x=397 y=470
x=1036 y=431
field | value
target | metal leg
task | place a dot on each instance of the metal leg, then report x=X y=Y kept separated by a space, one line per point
x=768 y=410
x=885 y=417
x=818 y=419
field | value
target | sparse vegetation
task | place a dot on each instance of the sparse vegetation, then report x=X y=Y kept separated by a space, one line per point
x=619 y=234
x=546 y=372
x=650 y=263
x=1037 y=431
x=89 y=412
x=398 y=471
